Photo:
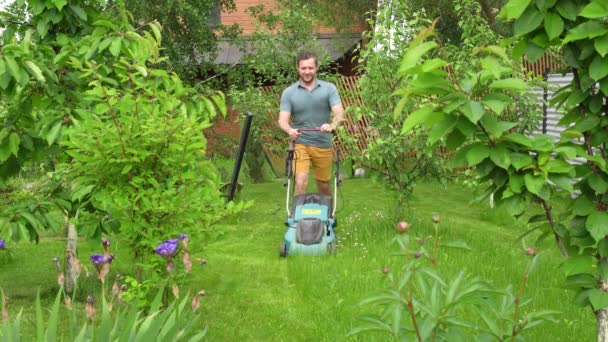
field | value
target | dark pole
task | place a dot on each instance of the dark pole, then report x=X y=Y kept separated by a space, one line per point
x=239 y=157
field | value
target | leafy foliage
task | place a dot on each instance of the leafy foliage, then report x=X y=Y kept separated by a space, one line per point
x=191 y=32
x=127 y=136
x=418 y=300
x=533 y=170
x=393 y=156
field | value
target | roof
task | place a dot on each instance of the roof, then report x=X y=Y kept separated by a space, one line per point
x=335 y=44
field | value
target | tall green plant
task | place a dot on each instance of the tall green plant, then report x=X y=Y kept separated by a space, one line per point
x=393 y=156
x=138 y=148
x=420 y=302
x=532 y=170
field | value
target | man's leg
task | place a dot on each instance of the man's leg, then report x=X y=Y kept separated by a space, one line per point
x=301 y=168
x=301 y=183
x=321 y=161
x=323 y=187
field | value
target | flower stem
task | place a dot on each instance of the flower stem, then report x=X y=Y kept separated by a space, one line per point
x=518 y=300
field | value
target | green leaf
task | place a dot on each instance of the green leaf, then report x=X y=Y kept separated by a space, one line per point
x=13 y=143
x=586 y=30
x=595 y=10
x=558 y=166
x=597 y=225
x=81 y=191
x=515 y=205
x=513 y=9
x=456 y=244
x=53 y=134
x=416 y=118
x=601 y=45
x=554 y=25
x=60 y=3
x=567 y=9
x=476 y=154
x=473 y=111
x=529 y=21
x=516 y=183
x=156 y=30
x=534 y=52
x=413 y=56
x=35 y=71
x=598 y=299
x=497 y=102
x=500 y=155
x=79 y=12
x=598 y=68
x=597 y=183
x=519 y=139
x=577 y=264
x=52 y=323
x=534 y=184
x=115 y=46
x=583 y=206
x=509 y=83
x=443 y=127
x=13 y=67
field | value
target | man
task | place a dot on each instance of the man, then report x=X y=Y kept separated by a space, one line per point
x=308 y=104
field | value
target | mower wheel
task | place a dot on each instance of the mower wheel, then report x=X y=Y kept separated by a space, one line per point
x=283 y=250
x=331 y=248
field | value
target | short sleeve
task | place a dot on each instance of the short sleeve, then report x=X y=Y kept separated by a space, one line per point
x=285 y=105
x=334 y=97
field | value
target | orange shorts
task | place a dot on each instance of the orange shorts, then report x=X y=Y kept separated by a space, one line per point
x=321 y=159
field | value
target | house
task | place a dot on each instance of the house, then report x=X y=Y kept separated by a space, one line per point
x=339 y=46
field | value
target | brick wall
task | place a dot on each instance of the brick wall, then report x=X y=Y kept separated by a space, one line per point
x=241 y=17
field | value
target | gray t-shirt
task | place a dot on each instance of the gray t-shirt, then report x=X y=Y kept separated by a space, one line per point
x=310 y=109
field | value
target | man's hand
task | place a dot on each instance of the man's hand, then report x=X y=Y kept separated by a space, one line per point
x=327 y=128
x=293 y=133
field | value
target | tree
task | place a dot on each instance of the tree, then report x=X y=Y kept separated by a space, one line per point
x=532 y=171
x=126 y=135
x=190 y=29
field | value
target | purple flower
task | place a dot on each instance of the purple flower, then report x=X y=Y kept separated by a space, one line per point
x=2 y=244
x=182 y=237
x=167 y=249
x=97 y=259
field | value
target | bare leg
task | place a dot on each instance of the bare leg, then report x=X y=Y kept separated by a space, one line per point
x=323 y=187
x=301 y=183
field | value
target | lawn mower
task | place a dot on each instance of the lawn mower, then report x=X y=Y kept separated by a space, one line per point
x=311 y=221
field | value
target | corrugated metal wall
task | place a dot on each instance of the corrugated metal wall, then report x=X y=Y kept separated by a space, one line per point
x=551 y=116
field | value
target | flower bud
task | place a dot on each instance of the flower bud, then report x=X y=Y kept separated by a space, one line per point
x=417 y=255
x=385 y=270
x=436 y=218
x=90 y=309
x=402 y=227
x=531 y=251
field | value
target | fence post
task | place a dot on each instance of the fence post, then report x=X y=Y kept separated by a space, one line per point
x=239 y=157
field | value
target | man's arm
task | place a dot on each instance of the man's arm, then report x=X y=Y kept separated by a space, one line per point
x=338 y=111
x=284 y=118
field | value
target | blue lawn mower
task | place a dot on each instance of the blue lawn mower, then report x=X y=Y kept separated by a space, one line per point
x=311 y=222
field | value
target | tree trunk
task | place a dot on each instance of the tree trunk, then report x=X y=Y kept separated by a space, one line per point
x=70 y=263
x=601 y=318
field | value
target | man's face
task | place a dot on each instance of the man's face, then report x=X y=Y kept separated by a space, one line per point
x=307 y=70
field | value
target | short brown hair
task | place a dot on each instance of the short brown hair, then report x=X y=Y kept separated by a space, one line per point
x=307 y=55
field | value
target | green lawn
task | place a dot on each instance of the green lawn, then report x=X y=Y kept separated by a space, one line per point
x=254 y=295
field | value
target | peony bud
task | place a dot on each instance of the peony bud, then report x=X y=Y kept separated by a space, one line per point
x=402 y=227
x=531 y=251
